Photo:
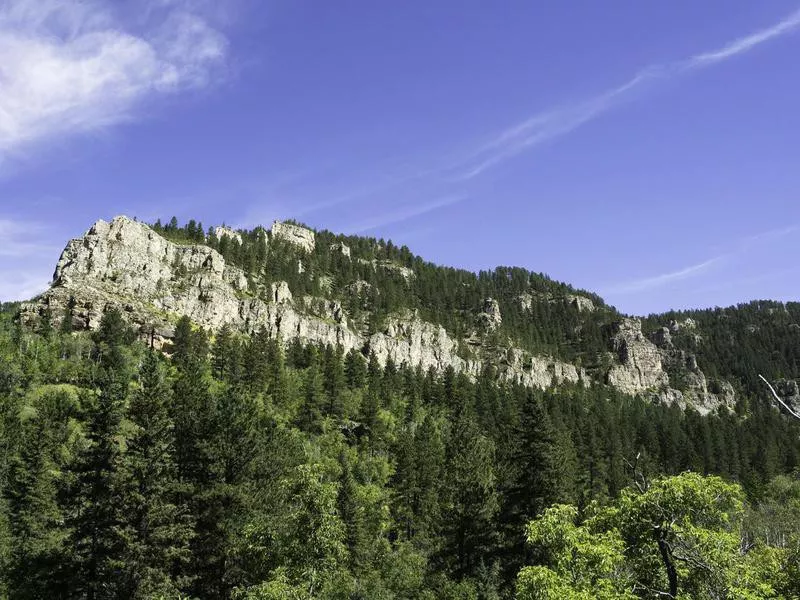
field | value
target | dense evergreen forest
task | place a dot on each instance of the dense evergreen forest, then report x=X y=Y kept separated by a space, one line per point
x=239 y=468
x=739 y=342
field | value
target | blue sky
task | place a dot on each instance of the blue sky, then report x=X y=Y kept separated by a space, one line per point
x=646 y=151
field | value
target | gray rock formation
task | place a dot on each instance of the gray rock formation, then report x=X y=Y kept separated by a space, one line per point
x=581 y=303
x=153 y=281
x=280 y=293
x=294 y=234
x=344 y=249
x=662 y=337
x=126 y=264
x=525 y=301
x=490 y=317
x=640 y=367
x=223 y=231
x=645 y=366
x=390 y=266
x=538 y=371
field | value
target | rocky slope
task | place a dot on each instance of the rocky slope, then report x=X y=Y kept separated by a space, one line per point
x=154 y=281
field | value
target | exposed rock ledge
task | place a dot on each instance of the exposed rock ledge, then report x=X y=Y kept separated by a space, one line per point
x=126 y=264
x=642 y=368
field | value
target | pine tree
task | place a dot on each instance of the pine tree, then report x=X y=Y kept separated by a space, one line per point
x=334 y=380
x=220 y=500
x=417 y=483
x=256 y=362
x=197 y=425
x=34 y=518
x=542 y=463
x=277 y=383
x=226 y=356
x=182 y=341
x=351 y=513
x=92 y=510
x=156 y=526
x=192 y=409
x=355 y=369
x=470 y=497
x=310 y=415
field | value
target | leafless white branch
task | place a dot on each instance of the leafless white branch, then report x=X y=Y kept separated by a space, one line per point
x=778 y=398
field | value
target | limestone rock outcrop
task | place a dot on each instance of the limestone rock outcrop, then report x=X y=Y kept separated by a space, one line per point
x=294 y=234
x=280 y=292
x=656 y=368
x=223 y=231
x=519 y=367
x=662 y=337
x=581 y=303
x=391 y=267
x=490 y=317
x=640 y=367
x=341 y=248
x=153 y=281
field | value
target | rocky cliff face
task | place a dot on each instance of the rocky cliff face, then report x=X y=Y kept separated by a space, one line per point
x=294 y=234
x=640 y=367
x=581 y=303
x=223 y=231
x=645 y=364
x=154 y=281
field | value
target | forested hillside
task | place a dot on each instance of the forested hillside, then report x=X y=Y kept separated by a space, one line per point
x=539 y=315
x=287 y=441
x=237 y=468
x=397 y=279
x=739 y=342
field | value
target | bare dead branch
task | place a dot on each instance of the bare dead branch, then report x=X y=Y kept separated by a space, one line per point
x=778 y=398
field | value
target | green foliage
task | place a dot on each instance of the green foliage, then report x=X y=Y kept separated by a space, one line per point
x=243 y=468
x=155 y=524
x=679 y=537
x=578 y=563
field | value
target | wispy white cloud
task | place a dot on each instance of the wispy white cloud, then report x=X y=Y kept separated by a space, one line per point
x=744 y=245
x=403 y=214
x=657 y=281
x=741 y=282
x=446 y=174
x=559 y=121
x=746 y=43
x=769 y=235
x=74 y=66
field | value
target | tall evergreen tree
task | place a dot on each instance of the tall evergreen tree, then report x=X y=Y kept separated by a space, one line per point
x=470 y=497
x=543 y=463
x=256 y=362
x=313 y=400
x=34 y=517
x=92 y=508
x=355 y=369
x=351 y=512
x=155 y=523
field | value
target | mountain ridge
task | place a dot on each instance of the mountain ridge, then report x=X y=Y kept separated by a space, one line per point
x=373 y=297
